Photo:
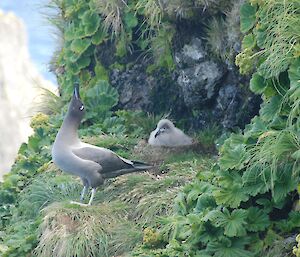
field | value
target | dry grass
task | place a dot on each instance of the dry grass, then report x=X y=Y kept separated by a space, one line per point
x=111 y=10
x=70 y=230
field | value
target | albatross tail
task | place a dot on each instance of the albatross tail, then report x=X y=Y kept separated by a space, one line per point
x=142 y=165
x=136 y=167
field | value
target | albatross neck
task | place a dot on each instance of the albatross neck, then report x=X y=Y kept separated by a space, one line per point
x=69 y=129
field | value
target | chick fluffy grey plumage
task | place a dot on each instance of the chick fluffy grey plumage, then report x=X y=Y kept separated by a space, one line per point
x=166 y=134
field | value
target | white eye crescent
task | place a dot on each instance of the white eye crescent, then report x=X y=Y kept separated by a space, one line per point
x=81 y=108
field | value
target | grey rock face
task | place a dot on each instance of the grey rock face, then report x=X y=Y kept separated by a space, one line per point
x=199 y=83
x=201 y=90
x=134 y=87
x=227 y=103
x=191 y=53
x=200 y=77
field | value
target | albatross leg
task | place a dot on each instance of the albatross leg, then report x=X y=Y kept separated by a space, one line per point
x=83 y=192
x=92 y=196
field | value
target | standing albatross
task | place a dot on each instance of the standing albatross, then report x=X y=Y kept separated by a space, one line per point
x=91 y=163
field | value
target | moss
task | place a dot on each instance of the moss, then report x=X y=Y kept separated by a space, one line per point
x=151 y=238
x=296 y=249
x=39 y=120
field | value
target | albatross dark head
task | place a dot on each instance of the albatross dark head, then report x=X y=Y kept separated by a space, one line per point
x=76 y=108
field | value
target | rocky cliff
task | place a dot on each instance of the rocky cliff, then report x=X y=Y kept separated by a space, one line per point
x=20 y=88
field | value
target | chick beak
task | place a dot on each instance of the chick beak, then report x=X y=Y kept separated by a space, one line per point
x=157 y=133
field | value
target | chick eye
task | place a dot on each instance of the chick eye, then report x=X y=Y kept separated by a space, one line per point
x=81 y=108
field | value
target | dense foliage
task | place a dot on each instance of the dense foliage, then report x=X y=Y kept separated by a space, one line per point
x=100 y=35
x=235 y=206
x=34 y=196
x=245 y=202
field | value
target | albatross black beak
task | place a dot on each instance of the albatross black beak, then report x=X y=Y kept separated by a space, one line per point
x=76 y=91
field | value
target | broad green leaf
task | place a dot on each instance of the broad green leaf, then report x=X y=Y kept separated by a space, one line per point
x=73 y=68
x=100 y=99
x=121 y=47
x=71 y=56
x=271 y=237
x=83 y=62
x=285 y=182
x=231 y=196
x=233 y=152
x=248 y=17
x=79 y=32
x=233 y=157
x=255 y=128
x=204 y=202
x=80 y=45
x=261 y=36
x=278 y=123
x=257 y=220
x=99 y=36
x=233 y=223
x=198 y=188
x=268 y=205
x=230 y=248
x=257 y=180
x=271 y=108
x=249 y=41
x=228 y=178
x=33 y=143
x=257 y=84
x=130 y=20
x=101 y=72
x=85 y=77
x=289 y=224
x=210 y=232
x=91 y=22
x=70 y=32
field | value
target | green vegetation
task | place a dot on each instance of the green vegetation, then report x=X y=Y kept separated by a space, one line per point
x=245 y=202
x=98 y=35
x=242 y=203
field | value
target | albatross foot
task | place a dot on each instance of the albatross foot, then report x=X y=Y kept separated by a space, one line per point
x=80 y=204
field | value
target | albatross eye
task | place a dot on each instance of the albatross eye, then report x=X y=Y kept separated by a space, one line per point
x=81 y=108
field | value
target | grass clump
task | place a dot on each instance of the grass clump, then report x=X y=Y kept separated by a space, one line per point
x=69 y=230
x=123 y=207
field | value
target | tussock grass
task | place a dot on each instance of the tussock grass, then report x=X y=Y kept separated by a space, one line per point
x=281 y=26
x=47 y=189
x=208 y=136
x=153 y=11
x=124 y=238
x=269 y=156
x=111 y=11
x=215 y=37
x=70 y=230
x=123 y=207
x=155 y=205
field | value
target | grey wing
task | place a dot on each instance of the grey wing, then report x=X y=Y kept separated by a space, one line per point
x=109 y=160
